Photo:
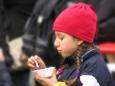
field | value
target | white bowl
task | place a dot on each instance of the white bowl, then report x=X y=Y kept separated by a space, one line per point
x=46 y=72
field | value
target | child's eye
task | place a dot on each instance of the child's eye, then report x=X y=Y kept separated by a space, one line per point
x=61 y=38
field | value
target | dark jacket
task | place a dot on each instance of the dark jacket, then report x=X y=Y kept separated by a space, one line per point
x=3 y=43
x=16 y=14
x=93 y=64
x=106 y=21
x=5 y=79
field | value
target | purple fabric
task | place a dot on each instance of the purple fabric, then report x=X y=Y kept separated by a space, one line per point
x=77 y=73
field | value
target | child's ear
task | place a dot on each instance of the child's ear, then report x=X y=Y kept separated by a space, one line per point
x=79 y=42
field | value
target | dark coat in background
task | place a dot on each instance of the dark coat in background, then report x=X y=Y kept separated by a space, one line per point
x=106 y=21
x=16 y=14
x=5 y=79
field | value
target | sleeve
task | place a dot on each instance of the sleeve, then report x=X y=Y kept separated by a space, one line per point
x=88 y=80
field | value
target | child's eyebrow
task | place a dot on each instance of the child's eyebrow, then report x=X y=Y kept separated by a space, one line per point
x=60 y=34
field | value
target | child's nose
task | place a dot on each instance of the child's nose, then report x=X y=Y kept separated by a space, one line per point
x=56 y=43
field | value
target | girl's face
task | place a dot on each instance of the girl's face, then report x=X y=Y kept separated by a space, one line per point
x=66 y=44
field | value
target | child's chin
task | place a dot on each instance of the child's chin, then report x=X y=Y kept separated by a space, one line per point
x=64 y=56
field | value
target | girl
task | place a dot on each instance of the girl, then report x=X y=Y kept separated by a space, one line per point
x=75 y=30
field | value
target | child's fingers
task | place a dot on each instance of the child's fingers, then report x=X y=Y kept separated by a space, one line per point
x=30 y=60
x=35 y=62
x=39 y=61
x=31 y=63
x=31 y=66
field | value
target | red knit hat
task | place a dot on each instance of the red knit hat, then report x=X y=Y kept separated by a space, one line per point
x=78 y=20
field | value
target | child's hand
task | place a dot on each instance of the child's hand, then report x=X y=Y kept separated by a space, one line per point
x=35 y=62
x=47 y=81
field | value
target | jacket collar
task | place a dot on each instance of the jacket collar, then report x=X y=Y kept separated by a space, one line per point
x=85 y=56
x=89 y=54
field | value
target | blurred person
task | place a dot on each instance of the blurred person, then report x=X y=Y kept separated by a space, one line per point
x=5 y=78
x=3 y=43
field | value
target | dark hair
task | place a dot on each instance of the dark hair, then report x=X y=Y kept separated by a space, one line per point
x=84 y=47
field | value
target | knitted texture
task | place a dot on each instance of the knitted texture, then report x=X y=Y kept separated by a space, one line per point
x=78 y=20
